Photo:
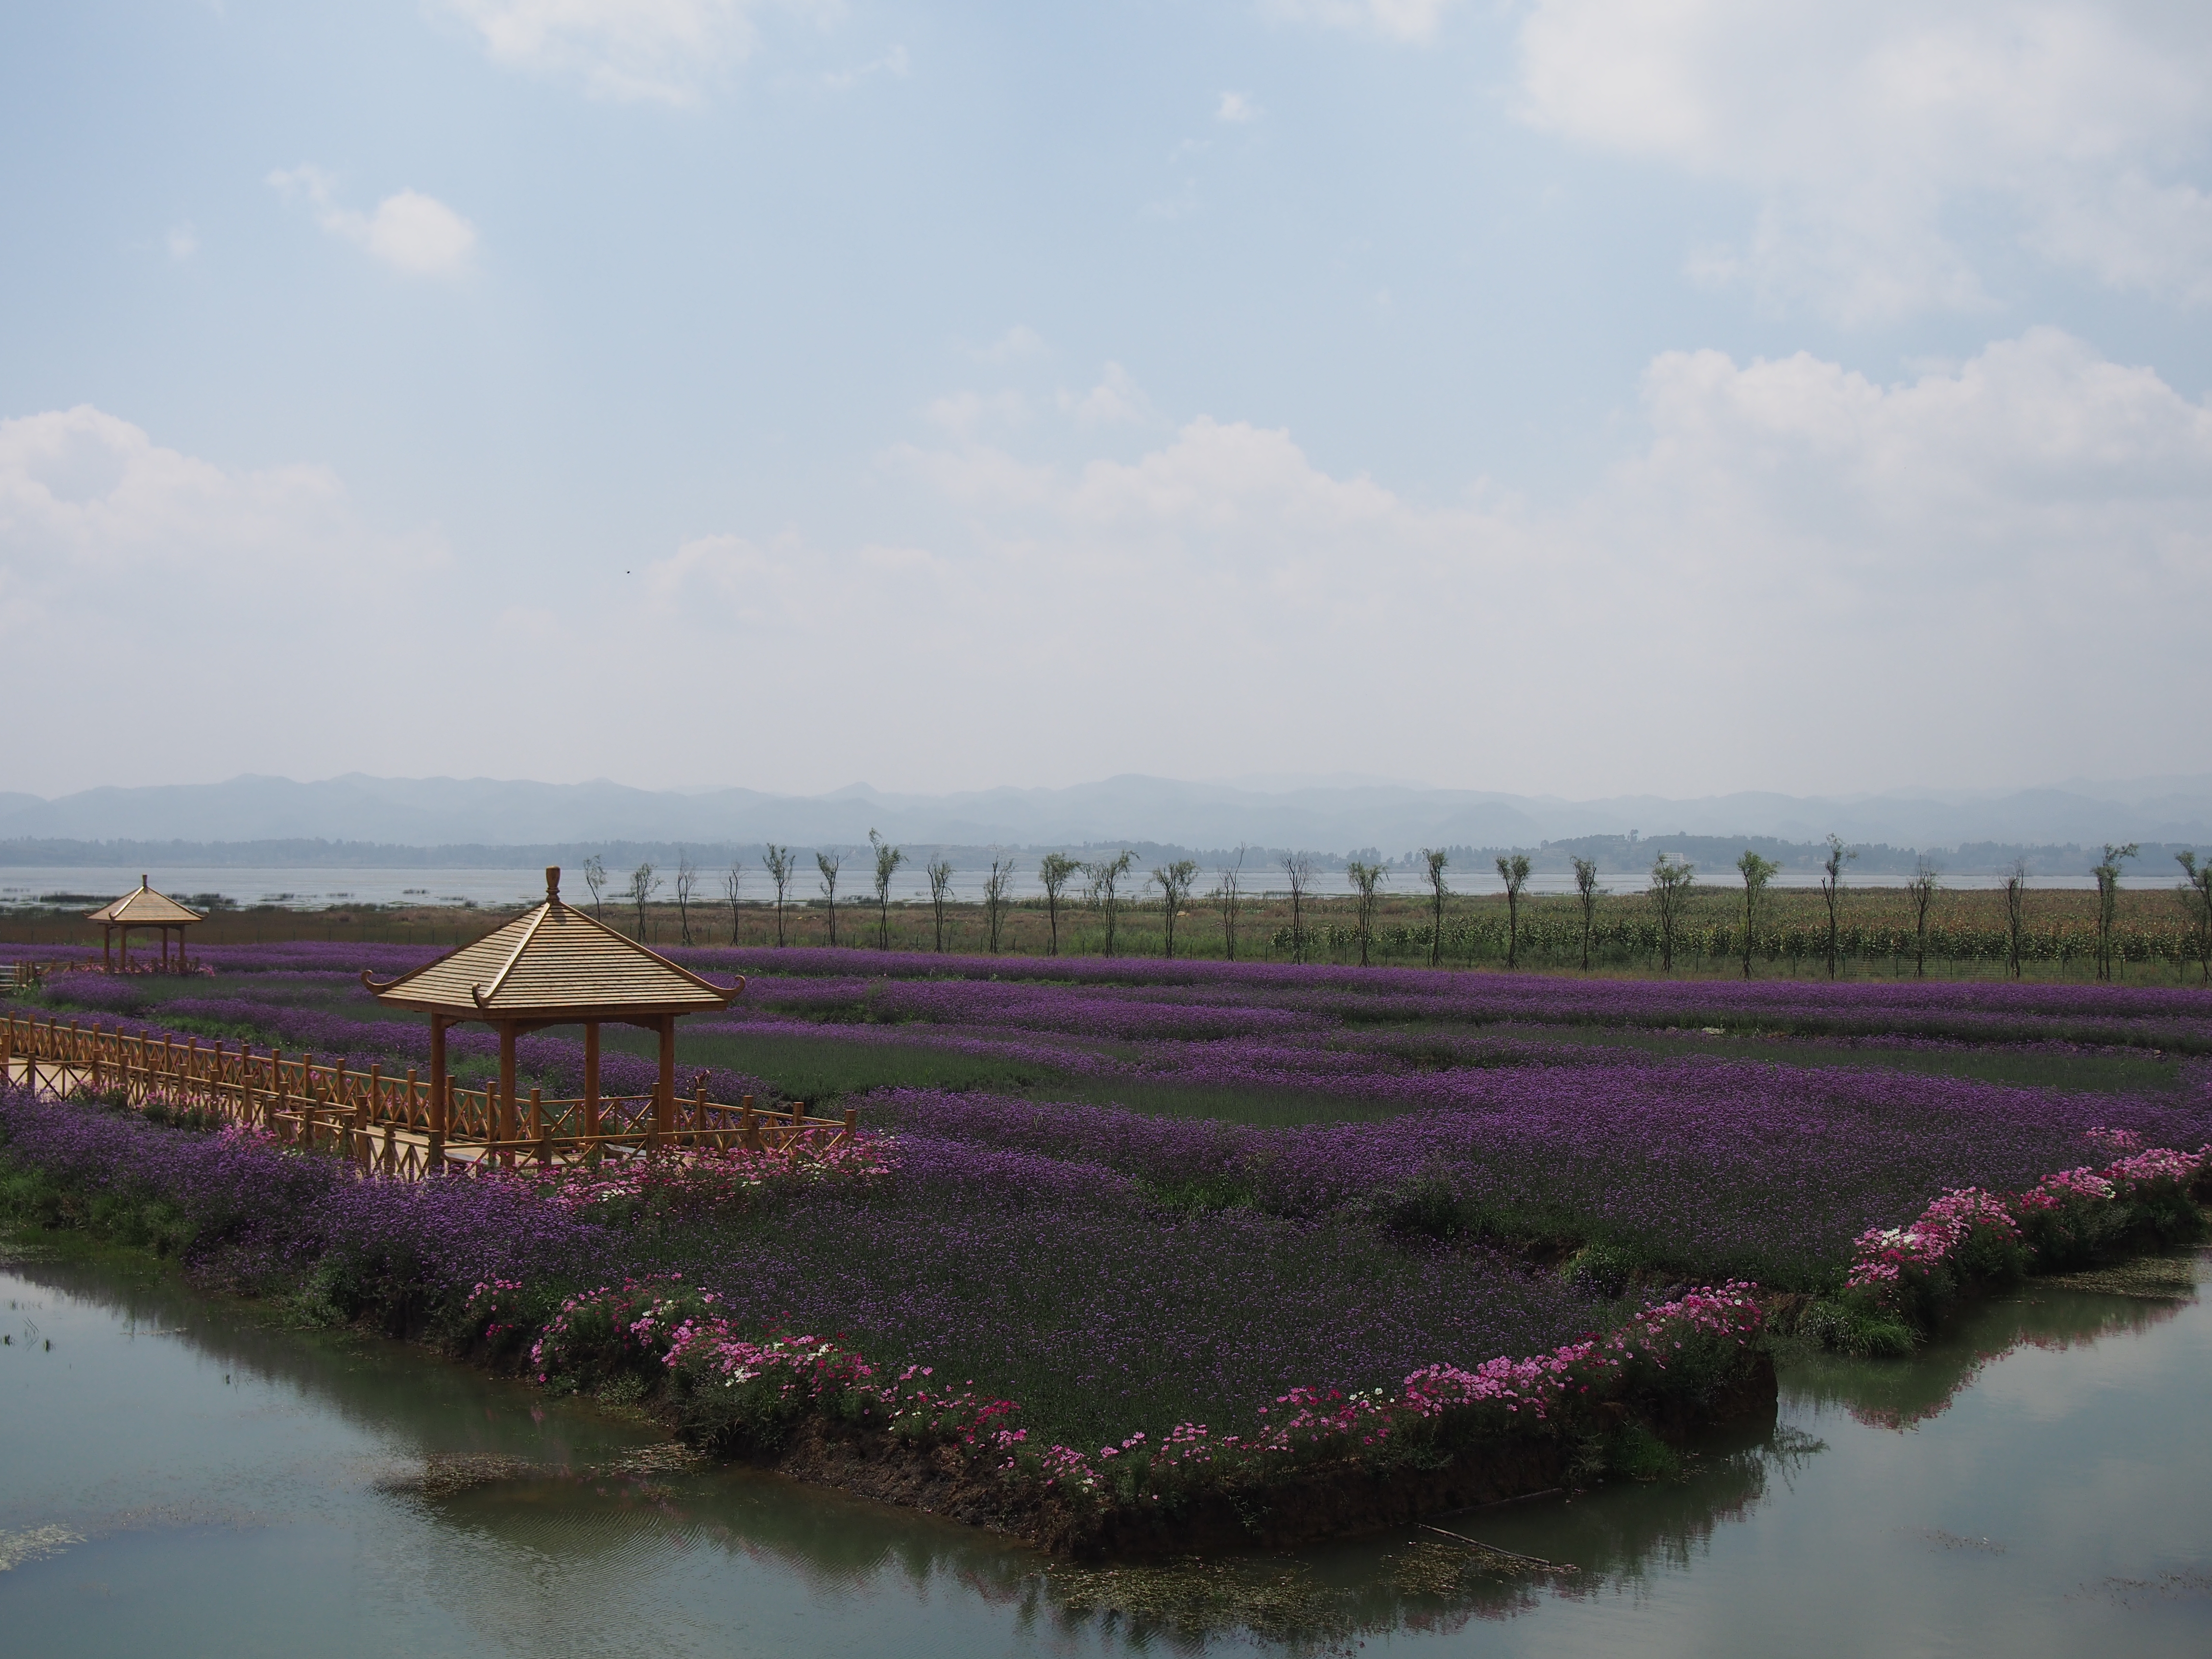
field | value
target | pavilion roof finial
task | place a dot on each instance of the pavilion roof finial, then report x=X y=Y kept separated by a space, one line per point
x=552 y=884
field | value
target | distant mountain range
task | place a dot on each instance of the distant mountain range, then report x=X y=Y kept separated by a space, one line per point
x=1332 y=817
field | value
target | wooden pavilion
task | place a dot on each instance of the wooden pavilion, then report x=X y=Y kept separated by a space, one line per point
x=143 y=909
x=554 y=965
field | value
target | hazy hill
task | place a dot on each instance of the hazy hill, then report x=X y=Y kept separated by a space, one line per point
x=1334 y=816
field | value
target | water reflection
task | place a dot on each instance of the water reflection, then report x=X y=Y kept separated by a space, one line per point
x=2055 y=1316
x=202 y=1480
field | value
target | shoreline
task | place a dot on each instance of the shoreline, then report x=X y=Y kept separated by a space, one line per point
x=1452 y=1439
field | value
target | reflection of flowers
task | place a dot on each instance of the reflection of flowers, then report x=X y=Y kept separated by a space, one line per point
x=1887 y=1396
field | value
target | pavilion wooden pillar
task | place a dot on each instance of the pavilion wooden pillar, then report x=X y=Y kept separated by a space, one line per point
x=437 y=1090
x=107 y=948
x=505 y=1131
x=664 y=1094
x=591 y=1081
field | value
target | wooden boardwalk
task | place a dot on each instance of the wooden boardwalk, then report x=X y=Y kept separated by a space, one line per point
x=388 y=1125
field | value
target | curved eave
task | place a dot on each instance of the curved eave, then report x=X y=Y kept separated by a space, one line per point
x=560 y=1015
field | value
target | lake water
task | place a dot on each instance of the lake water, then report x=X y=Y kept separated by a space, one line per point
x=310 y=889
x=180 y=1479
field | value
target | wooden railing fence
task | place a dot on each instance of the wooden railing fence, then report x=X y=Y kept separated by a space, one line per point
x=384 y=1122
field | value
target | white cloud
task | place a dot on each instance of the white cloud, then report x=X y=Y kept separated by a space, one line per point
x=1017 y=344
x=202 y=616
x=2131 y=233
x=1801 y=578
x=183 y=242
x=414 y=234
x=662 y=50
x=966 y=415
x=1236 y=109
x=1397 y=20
x=1797 y=578
x=893 y=64
x=1865 y=127
x=1116 y=400
x=84 y=493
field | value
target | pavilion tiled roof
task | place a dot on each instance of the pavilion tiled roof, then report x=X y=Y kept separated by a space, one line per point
x=553 y=962
x=146 y=909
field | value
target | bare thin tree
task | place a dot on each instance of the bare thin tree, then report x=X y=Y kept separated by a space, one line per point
x=1757 y=872
x=1297 y=869
x=1437 y=858
x=1514 y=873
x=781 y=867
x=2196 y=899
x=1922 y=891
x=687 y=886
x=2015 y=892
x=1831 y=890
x=643 y=884
x=733 y=881
x=1586 y=891
x=1174 y=881
x=1365 y=878
x=2107 y=873
x=1228 y=896
x=1670 y=885
x=595 y=878
x=828 y=864
x=940 y=892
x=1105 y=876
x=888 y=860
x=995 y=887
x=1056 y=871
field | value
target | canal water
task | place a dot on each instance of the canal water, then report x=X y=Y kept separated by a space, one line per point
x=179 y=1477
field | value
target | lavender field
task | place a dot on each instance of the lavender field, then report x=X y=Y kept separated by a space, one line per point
x=1131 y=1195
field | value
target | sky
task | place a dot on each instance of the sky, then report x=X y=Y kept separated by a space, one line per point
x=1575 y=398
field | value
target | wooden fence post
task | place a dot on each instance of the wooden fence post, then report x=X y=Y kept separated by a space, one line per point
x=364 y=1109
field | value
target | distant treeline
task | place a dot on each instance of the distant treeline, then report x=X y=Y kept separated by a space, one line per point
x=1613 y=853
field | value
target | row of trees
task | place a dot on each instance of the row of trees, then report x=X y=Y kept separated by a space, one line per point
x=1920 y=890
x=1103 y=892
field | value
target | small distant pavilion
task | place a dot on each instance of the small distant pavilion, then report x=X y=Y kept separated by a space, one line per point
x=553 y=965
x=143 y=909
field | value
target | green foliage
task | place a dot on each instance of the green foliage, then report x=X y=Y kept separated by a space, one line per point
x=1602 y=1268
x=1856 y=1327
x=2083 y=1232
x=1427 y=1205
x=1632 y=1452
x=29 y=1197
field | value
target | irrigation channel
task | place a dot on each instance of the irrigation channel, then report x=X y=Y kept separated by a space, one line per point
x=183 y=1477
